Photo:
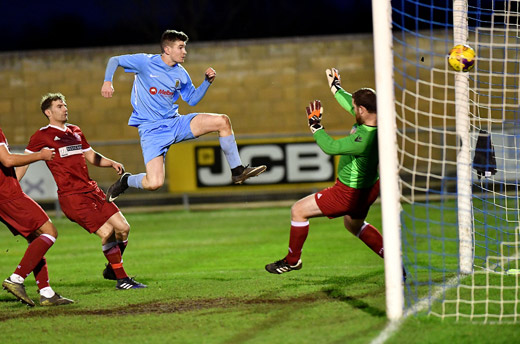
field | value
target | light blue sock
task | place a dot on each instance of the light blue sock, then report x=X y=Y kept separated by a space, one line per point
x=136 y=180
x=229 y=146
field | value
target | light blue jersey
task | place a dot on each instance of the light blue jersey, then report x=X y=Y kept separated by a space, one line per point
x=156 y=88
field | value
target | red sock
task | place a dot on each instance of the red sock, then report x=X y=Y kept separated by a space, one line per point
x=34 y=254
x=299 y=231
x=41 y=274
x=372 y=238
x=122 y=246
x=113 y=255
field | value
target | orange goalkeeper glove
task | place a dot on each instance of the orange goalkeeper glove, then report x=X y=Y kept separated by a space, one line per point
x=314 y=113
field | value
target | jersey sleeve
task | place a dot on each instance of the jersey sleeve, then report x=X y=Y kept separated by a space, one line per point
x=351 y=144
x=345 y=100
x=3 y=139
x=35 y=143
x=192 y=95
x=133 y=63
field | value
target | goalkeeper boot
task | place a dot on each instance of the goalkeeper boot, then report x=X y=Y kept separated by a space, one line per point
x=129 y=283
x=18 y=290
x=109 y=273
x=281 y=266
x=116 y=189
x=56 y=300
x=241 y=173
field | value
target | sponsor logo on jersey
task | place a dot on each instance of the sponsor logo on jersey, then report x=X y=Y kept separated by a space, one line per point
x=167 y=93
x=70 y=150
x=153 y=90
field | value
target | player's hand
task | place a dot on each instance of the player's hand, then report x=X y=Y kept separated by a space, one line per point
x=47 y=153
x=107 y=90
x=314 y=113
x=334 y=79
x=210 y=74
x=118 y=167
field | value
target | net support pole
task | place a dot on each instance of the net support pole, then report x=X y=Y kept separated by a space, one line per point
x=388 y=163
x=464 y=206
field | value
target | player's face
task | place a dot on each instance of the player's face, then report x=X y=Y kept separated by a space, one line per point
x=358 y=111
x=176 y=52
x=58 y=112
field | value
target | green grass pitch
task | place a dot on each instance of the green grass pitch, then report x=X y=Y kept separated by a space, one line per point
x=207 y=284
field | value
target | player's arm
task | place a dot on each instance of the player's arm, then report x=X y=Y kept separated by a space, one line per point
x=13 y=160
x=107 y=90
x=343 y=97
x=20 y=171
x=345 y=145
x=329 y=145
x=99 y=160
x=192 y=95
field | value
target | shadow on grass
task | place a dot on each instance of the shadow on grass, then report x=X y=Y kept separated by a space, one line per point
x=178 y=306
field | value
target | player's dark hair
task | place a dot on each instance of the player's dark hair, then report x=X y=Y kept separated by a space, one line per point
x=172 y=36
x=366 y=97
x=47 y=100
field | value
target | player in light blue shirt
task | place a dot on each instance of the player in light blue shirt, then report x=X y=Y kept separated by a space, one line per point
x=159 y=81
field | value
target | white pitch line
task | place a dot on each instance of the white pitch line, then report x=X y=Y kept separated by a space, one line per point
x=393 y=326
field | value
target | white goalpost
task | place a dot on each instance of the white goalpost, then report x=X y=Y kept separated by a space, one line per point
x=449 y=146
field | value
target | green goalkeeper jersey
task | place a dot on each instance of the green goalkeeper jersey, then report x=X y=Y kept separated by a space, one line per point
x=359 y=153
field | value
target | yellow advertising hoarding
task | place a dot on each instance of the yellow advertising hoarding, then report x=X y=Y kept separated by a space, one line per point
x=199 y=166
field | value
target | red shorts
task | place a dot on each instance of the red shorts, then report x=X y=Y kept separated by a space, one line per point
x=341 y=200
x=90 y=210
x=22 y=215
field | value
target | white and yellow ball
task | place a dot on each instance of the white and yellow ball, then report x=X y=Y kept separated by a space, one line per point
x=462 y=58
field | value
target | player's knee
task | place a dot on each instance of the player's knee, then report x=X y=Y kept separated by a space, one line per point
x=125 y=229
x=224 y=122
x=49 y=229
x=297 y=212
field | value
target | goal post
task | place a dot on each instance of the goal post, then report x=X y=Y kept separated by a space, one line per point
x=464 y=215
x=449 y=145
x=387 y=140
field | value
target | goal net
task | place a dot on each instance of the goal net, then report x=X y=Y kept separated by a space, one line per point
x=458 y=136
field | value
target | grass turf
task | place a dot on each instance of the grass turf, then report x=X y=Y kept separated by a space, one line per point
x=207 y=284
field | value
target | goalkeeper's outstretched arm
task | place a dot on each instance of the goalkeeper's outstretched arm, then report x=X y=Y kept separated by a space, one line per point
x=343 y=97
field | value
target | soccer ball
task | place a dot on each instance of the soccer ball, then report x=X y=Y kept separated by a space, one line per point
x=462 y=58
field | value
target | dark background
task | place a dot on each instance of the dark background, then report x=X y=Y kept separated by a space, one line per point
x=51 y=24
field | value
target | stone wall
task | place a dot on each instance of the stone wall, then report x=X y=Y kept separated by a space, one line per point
x=263 y=85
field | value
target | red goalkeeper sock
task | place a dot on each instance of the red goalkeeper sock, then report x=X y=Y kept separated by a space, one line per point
x=34 y=254
x=372 y=238
x=113 y=255
x=41 y=274
x=299 y=231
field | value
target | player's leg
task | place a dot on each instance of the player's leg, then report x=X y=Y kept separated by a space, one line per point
x=48 y=297
x=301 y=212
x=366 y=233
x=121 y=230
x=40 y=241
x=112 y=253
x=205 y=123
x=152 y=180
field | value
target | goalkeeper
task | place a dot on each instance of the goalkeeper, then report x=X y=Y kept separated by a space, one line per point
x=357 y=186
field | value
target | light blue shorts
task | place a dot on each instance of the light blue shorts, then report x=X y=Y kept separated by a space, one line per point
x=157 y=137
